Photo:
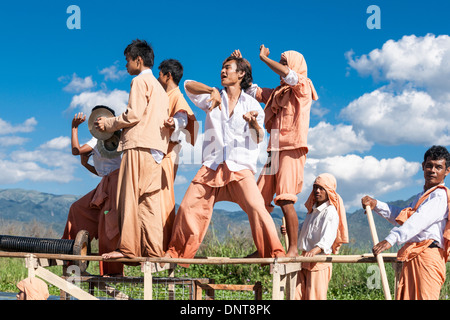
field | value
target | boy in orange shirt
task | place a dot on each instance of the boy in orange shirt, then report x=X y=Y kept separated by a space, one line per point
x=144 y=143
x=182 y=122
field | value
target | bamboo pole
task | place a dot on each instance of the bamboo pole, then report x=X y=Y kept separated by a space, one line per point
x=286 y=238
x=362 y=258
x=379 y=257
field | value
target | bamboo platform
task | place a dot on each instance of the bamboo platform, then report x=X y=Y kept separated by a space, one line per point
x=284 y=270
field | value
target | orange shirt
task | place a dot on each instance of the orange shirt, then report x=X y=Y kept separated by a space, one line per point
x=143 y=121
x=287 y=111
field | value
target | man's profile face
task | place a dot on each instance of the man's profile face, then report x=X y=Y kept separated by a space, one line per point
x=229 y=74
x=434 y=172
x=132 y=66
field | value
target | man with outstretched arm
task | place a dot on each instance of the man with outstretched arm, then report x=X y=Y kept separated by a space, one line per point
x=423 y=229
x=233 y=129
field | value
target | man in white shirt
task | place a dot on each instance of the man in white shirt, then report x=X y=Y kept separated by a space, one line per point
x=422 y=229
x=233 y=130
x=96 y=211
x=323 y=232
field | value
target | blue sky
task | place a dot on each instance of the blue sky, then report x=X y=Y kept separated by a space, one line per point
x=383 y=93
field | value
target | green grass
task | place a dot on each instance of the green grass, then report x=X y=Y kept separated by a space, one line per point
x=349 y=281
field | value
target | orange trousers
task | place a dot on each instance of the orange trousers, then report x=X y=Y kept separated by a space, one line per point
x=169 y=168
x=282 y=176
x=194 y=215
x=96 y=213
x=138 y=203
x=312 y=283
x=422 y=277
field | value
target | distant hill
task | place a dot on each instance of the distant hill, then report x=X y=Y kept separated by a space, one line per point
x=27 y=205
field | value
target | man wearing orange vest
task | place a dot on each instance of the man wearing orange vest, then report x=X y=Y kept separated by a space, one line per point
x=182 y=124
x=423 y=229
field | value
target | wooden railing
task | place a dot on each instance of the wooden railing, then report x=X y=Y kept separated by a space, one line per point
x=284 y=270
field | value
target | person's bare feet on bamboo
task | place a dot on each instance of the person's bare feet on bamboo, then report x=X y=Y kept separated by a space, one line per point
x=113 y=255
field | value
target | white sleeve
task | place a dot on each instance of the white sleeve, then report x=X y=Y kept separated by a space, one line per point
x=200 y=100
x=292 y=78
x=92 y=143
x=386 y=211
x=180 y=119
x=251 y=91
x=430 y=211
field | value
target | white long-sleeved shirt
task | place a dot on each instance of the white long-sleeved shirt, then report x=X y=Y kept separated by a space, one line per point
x=319 y=228
x=103 y=166
x=228 y=139
x=428 y=222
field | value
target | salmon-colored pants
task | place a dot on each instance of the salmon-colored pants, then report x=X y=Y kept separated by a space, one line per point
x=96 y=213
x=194 y=215
x=313 y=284
x=138 y=203
x=169 y=170
x=422 y=277
x=282 y=176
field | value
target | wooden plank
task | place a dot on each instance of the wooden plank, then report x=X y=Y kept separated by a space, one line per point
x=148 y=283
x=66 y=286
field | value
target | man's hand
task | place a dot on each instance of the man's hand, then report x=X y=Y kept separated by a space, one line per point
x=313 y=252
x=380 y=247
x=100 y=123
x=237 y=53
x=263 y=52
x=368 y=201
x=169 y=123
x=215 y=99
x=250 y=117
x=78 y=119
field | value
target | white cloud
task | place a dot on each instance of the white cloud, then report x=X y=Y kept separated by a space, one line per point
x=78 y=84
x=57 y=143
x=411 y=117
x=113 y=73
x=414 y=106
x=327 y=140
x=46 y=163
x=358 y=176
x=9 y=141
x=27 y=126
x=85 y=101
x=422 y=61
x=179 y=179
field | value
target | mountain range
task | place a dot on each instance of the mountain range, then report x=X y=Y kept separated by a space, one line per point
x=26 y=206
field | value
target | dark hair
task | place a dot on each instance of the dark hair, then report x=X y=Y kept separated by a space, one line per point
x=438 y=153
x=104 y=107
x=242 y=65
x=174 y=67
x=140 y=48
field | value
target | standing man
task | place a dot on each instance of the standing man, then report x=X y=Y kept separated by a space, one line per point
x=423 y=229
x=233 y=129
x=144 y=143
x=182 y=124
x=287 y=113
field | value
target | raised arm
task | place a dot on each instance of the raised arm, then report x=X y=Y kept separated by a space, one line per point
x=280 y=69
x=78 y=119
x=197 y=88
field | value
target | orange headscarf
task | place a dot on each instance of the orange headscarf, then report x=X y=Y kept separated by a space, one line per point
x=34 y=288
x=328 y=182
x=282 y=94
